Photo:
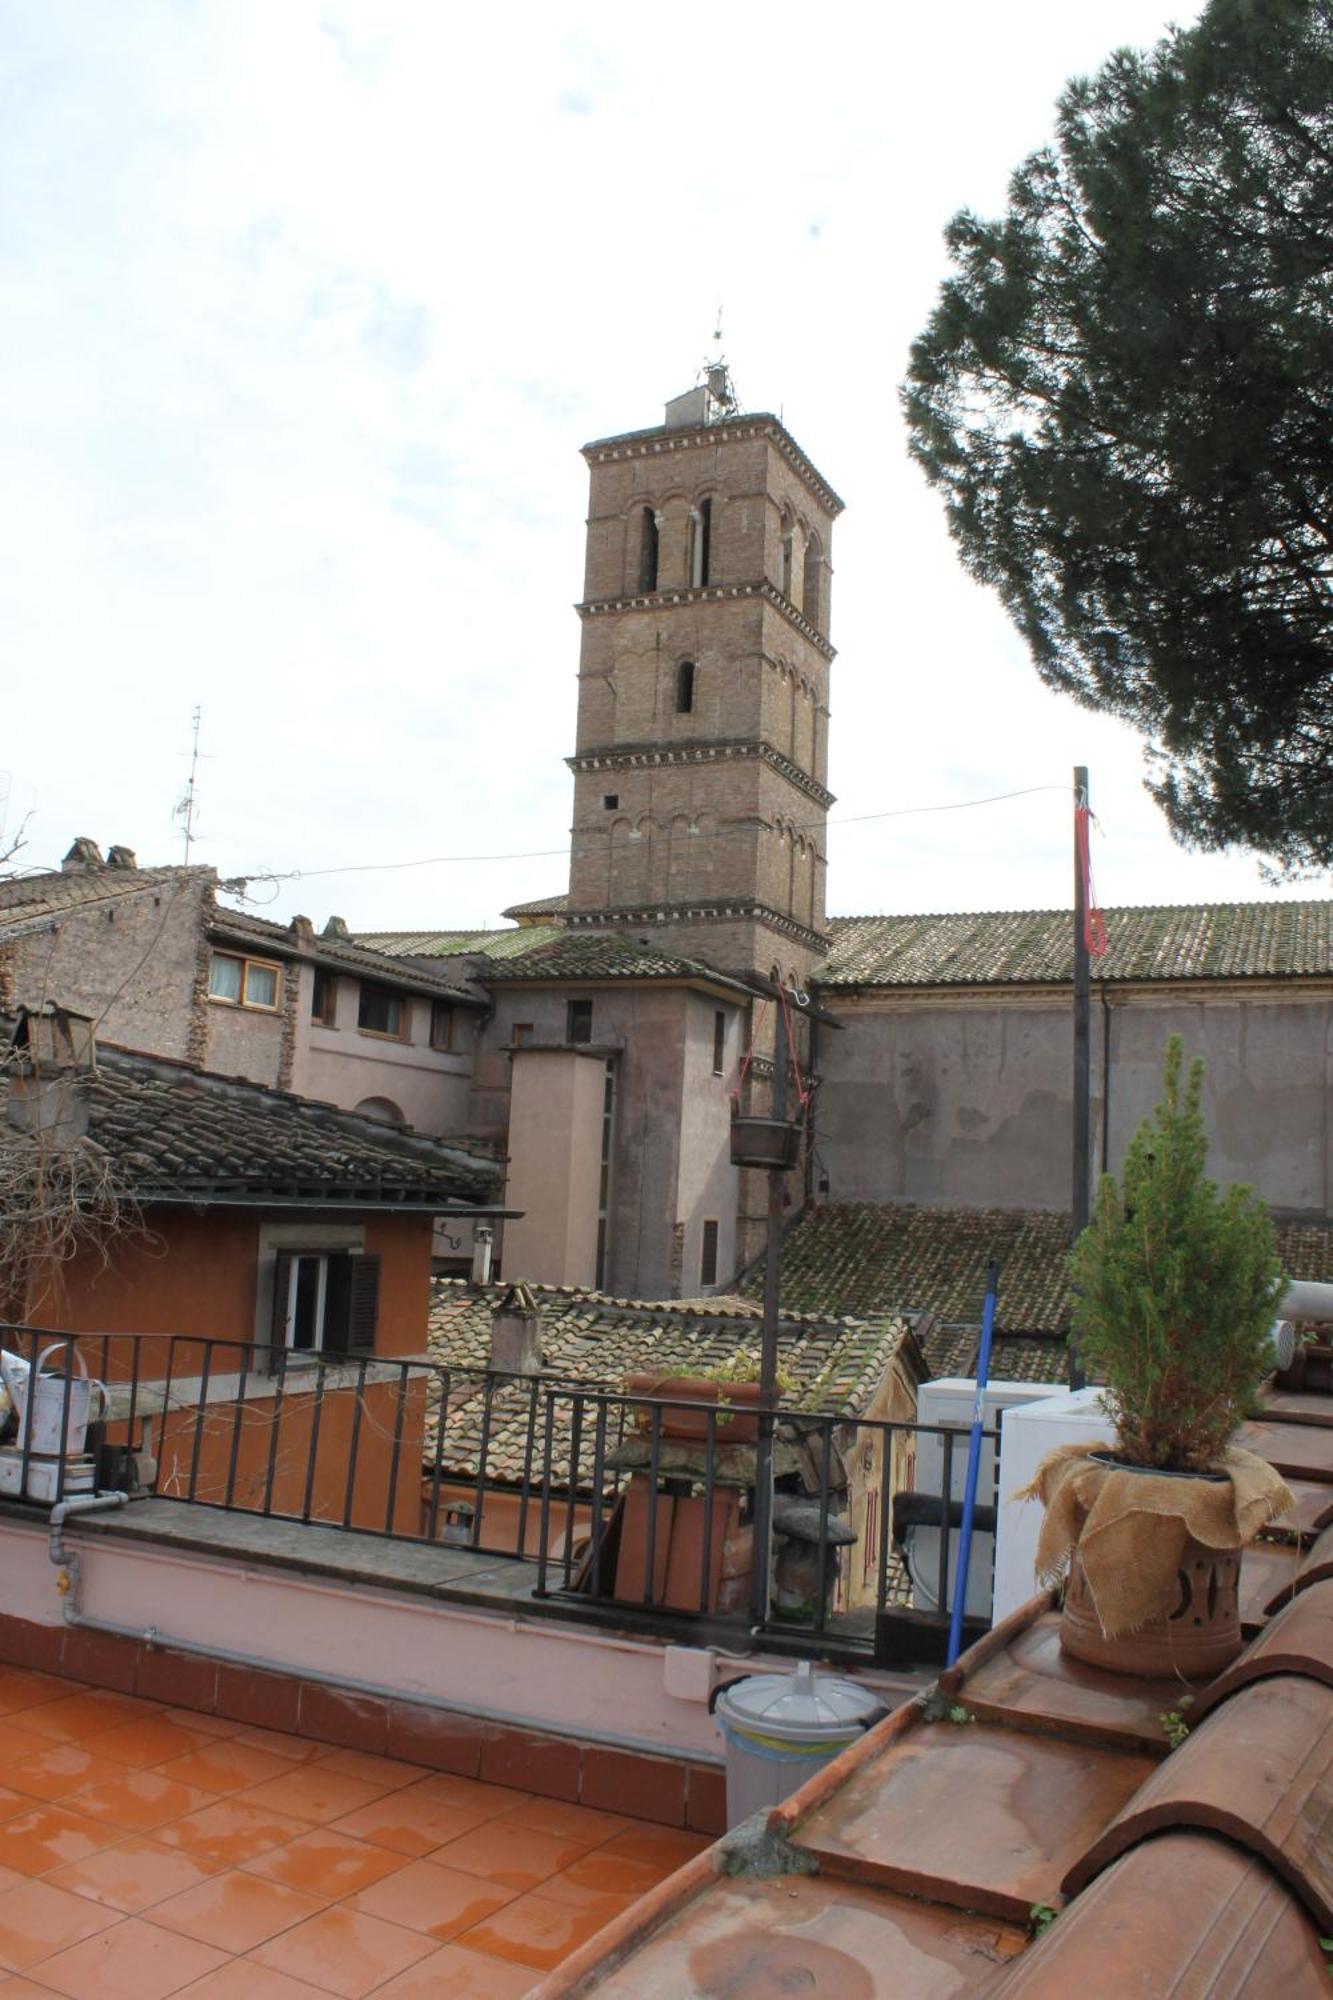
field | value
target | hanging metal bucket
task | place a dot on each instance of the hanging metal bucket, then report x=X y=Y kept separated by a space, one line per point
x=764 y=1142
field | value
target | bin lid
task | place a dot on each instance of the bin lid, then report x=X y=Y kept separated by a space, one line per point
x=799 y=1708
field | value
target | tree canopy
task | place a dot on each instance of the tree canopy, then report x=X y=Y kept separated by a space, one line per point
x=1125 y=394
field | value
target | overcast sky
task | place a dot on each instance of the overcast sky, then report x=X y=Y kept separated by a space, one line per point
x=307 y=308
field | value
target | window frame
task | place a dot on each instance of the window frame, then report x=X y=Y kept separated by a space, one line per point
x=686 y=678
x=582 y=1008
x=523 y=1035
x=327 y=982
x=719 y=1041
x=347 y=1290
x=448 y=1011
x=403 y=1001
x=247 y=965
x=709 y=1246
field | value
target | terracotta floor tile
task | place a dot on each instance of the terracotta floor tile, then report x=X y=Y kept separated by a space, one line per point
x=57 y=1769
x=76 y=1716
x=204 y=1725
x=570 y=1822
x=313 y=1792
x=486 y=1801
x=326 y=1864
x=20 y=1689
x=235 y=1911
x=607 y=1903
x=148 y=1741
x=665 y=1848
x=132 y=1875
x=442 y=1902
x=612 y=1874
x=388 y=1773
x=295 y=1748
x=242 y=1979
x=229 y=1832
x=410 y=1821
x=12 y=1803
x=133 y=1961
x=42 y=1838
x=19 y=1988
x=37 y=1919
x=220 y=1765
x=534 y=1931
x=138 y=1801
x=344 y=1951
x=455 y=1973
x=504 y=1852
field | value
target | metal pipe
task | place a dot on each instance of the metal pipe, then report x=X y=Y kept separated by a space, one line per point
x=1305 y=1299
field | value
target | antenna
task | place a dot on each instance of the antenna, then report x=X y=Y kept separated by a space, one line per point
x=184 y=808
x=716 y=377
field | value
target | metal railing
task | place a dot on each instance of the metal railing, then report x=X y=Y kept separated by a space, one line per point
x=597 y=1489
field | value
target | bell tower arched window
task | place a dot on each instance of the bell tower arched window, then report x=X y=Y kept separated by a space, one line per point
x=810 y=595
x=685 y=688
x=701 y=534
x=788 y=534
x=648 y=550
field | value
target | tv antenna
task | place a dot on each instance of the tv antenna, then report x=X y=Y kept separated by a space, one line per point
x=184 y=808
x=716 y=376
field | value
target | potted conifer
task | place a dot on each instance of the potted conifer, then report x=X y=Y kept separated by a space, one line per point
x=1175 y=1285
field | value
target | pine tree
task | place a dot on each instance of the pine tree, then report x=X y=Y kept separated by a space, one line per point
x=1175 y=1287
x=1125 y=394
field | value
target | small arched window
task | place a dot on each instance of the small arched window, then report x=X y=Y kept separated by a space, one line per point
x=788 y=529
x=648 y=550
x=701 y=534
x=813 y=572
x=685 y=688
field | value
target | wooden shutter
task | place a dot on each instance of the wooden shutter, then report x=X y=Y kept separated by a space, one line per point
x=337 y=1302
x=282 y=1288
x=363 y=1304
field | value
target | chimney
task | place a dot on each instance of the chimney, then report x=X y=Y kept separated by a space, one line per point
x=516 y=1334
x=302 y=928
x=54 y=1052
x=336 y=927
x=121 y=857
x=83 y=856
x=483 y=1236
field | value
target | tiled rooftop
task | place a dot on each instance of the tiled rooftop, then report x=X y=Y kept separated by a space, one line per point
x=1026 y=1831
x=834 y=1364
x=52 y=893
x=547 y=952
x=988 y=947
x=339 y=953
x=512 y=942
x=146 y=1852
x=858 y=1258
x=175 y=1133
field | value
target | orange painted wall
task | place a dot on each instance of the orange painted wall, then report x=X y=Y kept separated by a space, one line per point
x=194 y=1276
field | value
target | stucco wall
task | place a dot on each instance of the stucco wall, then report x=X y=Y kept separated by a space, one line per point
x=708 y=1183
x=347 y=1065
x=554 y=1166
x=967 y=1100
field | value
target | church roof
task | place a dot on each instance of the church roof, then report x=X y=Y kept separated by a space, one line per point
x=552 y=955
x=1269 y=940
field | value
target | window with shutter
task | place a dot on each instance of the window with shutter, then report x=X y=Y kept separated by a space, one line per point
x=325 y=1302
x=364 y=1309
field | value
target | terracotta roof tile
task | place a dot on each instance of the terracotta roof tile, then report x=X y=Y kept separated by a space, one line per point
x=28 y=900
x=178 y=1134
x=1031 y=1684
x=978 y=1817
x=590 y=1339
x=1298 y=1639
x=864 y=1258
x=1002 y=947
x=498 y=944
x=1259 y=1771
x=1184 y=1914
x=342 y=954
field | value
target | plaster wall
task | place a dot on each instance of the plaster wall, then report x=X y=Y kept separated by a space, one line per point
x=347 y=1065
x=555 y=1147
x=602 y=1686
x=967 y=1100
x=708 y=1183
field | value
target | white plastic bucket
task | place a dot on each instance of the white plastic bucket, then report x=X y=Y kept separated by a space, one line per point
x=40 y=1402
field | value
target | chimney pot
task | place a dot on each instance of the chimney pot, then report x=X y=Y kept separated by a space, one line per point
x=336 y=927
x=516 y=1334
x=121 y=857
x=83 y=855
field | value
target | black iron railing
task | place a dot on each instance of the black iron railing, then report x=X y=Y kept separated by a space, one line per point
x=600 y=1491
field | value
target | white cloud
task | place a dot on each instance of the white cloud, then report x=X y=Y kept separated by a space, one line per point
x=308 y=308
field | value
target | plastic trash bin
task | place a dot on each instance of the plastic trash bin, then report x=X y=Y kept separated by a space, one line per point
x=782 y=1728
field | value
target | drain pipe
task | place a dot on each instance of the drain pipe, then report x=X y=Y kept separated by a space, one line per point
x=65 y=1559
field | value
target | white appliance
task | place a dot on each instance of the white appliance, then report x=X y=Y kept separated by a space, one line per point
x=949 y=1402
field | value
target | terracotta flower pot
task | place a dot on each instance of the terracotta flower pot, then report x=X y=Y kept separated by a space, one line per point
x=1198 y=1638
x=735 y=1403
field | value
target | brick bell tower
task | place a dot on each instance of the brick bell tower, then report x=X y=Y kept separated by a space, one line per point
x=699 y=774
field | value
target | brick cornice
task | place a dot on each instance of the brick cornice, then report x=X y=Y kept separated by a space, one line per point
x=711 y=593
x=711 y=750
x=661 y=441
x=728 y=910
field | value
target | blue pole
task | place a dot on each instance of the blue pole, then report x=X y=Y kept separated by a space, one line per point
x=973 y=1465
